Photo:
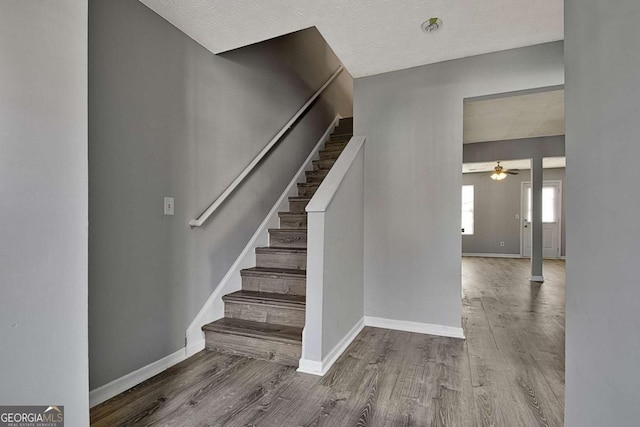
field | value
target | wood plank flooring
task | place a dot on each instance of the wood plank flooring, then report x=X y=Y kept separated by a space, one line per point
x=509 y=371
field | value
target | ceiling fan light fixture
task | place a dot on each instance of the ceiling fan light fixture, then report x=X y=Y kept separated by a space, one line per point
x=499 y=173
x=431 y=24
x=498 y=176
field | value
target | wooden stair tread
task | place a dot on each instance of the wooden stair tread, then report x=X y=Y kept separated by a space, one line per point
x=294 y=214
x=335 y=147
x=326 y=164
x=275 y=249
x=308 y=184
x=248 y=328
x=267 y=298
x=268 y=271
x=288 y=230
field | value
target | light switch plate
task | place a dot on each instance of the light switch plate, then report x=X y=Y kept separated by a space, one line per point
x=168 y=205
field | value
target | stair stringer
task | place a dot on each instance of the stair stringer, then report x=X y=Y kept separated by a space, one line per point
x=213 y=308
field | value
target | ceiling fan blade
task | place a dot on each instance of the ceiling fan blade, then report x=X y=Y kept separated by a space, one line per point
x=511 y=172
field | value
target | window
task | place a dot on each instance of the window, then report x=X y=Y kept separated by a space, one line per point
x=548 y=204
x=467 y=209
x=549 y=213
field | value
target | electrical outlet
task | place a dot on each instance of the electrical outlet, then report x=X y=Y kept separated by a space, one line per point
x=168 y=205
x=501 y=243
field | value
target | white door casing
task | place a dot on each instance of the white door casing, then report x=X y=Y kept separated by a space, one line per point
x=551 y=223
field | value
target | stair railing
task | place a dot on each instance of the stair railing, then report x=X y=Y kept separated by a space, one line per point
x=335 y=253
x=266 y=150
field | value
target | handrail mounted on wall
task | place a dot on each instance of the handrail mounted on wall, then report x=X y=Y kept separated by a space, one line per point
x=236 y=182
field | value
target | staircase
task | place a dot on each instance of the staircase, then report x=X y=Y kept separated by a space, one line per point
x=265 y=319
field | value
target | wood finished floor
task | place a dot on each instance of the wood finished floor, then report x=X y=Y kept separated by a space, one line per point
x=508 y=372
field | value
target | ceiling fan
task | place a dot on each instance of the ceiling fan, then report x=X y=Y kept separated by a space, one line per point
x=500 y=173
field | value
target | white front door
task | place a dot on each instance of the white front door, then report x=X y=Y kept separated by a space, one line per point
x=551 y=219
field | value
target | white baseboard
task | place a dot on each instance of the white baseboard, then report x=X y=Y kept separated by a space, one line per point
x=117 y=386
x=539 y=279
x=213 y=308
x=320 y=368
x=492 y=255
x=408 y=326
x=194 y=347
x=310 y=367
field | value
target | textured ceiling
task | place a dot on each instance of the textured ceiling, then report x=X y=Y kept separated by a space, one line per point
x=372 y=36
x=547 y=163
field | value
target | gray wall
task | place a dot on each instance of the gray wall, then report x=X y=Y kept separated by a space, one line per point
x=603 y=234
x=413 y=123
x=43 y=205
x=168 y=118
x=496 y=204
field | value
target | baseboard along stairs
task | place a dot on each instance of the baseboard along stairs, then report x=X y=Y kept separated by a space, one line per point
x=264 y=320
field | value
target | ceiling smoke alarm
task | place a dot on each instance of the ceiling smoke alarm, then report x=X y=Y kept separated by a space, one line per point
x=431 y=24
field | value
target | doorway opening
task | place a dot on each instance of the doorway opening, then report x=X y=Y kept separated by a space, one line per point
x=506 y=242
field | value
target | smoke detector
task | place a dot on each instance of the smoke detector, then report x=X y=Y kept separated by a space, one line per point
x=431 y=25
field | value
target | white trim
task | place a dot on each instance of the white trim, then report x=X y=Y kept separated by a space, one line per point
x=310 y=367
x=213 y=308
x=524 y=184
x=523 y=214
x=492 y=255
x=483 y=255
x=408 y=326
x=247 y=170
x=124 y=383
x=320 y=368
x=538 y=279
x=560 y=213
x=195 y=346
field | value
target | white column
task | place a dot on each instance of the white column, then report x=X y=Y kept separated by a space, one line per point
x=536 y=220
